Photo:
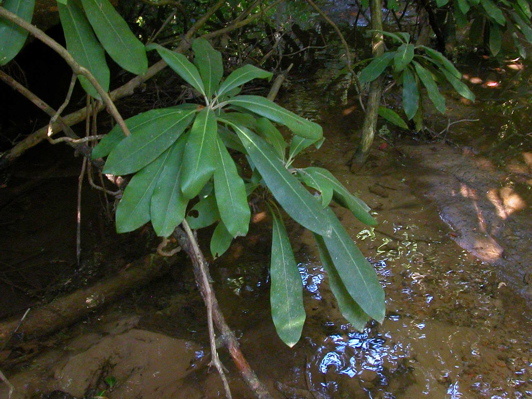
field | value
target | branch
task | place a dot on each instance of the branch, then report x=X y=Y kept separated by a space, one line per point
x=229 y=338
x=78 y=69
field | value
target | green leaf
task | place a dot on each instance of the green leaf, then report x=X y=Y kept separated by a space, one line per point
x=299 y=144
x=410 y=94
x=209 y=63
x=286 y=292
x=351 y=311
x=241 y=76
x=524 y=5
x=230 y=139
x=403 y=56
x=183 y=67
x=286 y=189
x=319 y=183
x=133 y=210
x=432 y=89
x=354 y=270
x=240 y=118
x=12 y=36
x=495 y=39
x=204 y=213
x=168 y=206
x=524 y=27
x=459 y=86
x=220 y=241
x=493 y=11
x=391 y=116
x=84 y=47
x=440 y=59
x=272 y=135
x=264 y=107
x=376 y=67
x=464 y=6
x=148 y=141
x=200 y=153
x=116 y=37
x=230 y=193
x=342 y=195
x=441 y=3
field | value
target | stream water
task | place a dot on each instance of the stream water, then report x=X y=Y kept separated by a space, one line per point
x=458 y=314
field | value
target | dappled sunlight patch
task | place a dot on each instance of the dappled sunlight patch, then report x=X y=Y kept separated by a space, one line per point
x=506 y=201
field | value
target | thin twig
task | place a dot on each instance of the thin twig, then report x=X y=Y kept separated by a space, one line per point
x=6 y=381
x=78 y=69
x=208 y=299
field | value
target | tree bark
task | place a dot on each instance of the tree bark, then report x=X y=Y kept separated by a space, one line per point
x=375 y=90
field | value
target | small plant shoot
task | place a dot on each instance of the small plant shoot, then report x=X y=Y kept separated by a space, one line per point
x=183 y=158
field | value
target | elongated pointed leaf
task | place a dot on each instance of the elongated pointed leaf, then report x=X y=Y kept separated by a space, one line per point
x=432 y=89
x=495 y=40
x=141 y=148
x=459 y=86
x=230 y=139
x=286 y=292
x=133 y=210
x=351 y=311
x=220 y=241
x=493 y=11
x=403 y=56
x=84 y=47
x=241 y=76
x=142 y=122
x=393 y=117
x=230 y=193
x=12 y=36
x=440 y=59
x=524 y=5
x=200 y=154
x=184 y=68
x=376 y=67
x=524 y=26
x=272 y=135
x=264 y=107
x=299 y=144
x=204 y=213
x=168 y=206
x=317 y=182
x=410 y=94
x=286 y=189
x=209 y=63
x=464 y=6
x=354 y=270
x=116 y=37
x=342 y=195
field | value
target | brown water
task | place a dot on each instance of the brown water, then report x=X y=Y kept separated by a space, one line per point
x=457 y=326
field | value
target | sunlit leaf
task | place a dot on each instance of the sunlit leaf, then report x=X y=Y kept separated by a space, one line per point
x=342 y=195
x=168 y=206
x=179 y=63
x=276 y=113
x=230 y=193
x=200 y=154
x=356 y=273
x=286 y=189
x=133 y=210
x=376 y=67
x=410 y=94
x=241 y=76
x=220 y=241
x=432 y=89
x=351 y=311
x=83 y=46
x=149 y=141
x=272 y=135
x=204 y=213
x=209 y=63
x=403 y=56
x=12 y=36
x=393 y=117
x=116 y=37
x=319 y=183
x=525 y=7
x=286 y=291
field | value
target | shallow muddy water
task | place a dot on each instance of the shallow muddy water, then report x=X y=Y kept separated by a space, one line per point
x=457 y=326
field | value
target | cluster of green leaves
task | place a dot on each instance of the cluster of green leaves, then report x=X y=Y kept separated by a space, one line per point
x=415 y=67
x=92 y=28
x=183 y=161
x=512 y=16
